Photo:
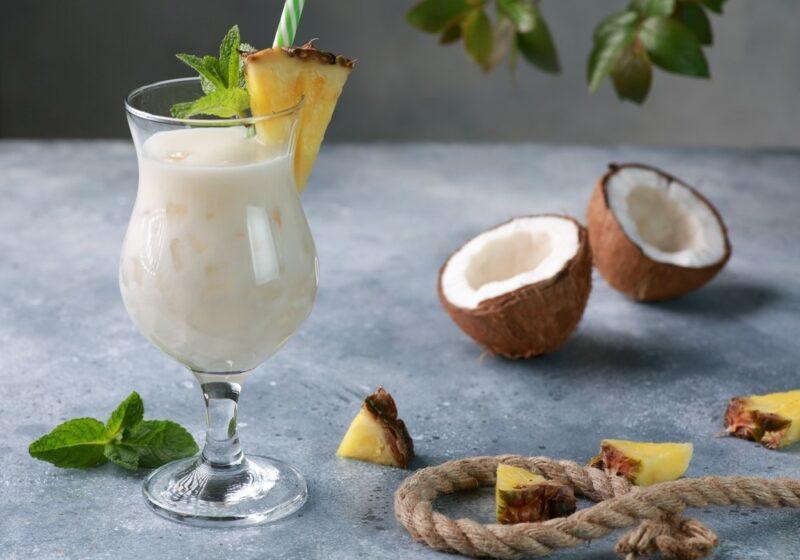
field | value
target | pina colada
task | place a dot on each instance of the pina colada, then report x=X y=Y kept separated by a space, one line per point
x=218 y=267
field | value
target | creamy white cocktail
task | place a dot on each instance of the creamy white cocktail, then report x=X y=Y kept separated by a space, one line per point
x=218 y=267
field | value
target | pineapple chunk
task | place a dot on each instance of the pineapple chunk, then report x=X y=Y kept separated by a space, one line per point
x=643 y=464
x=377 y=434
x=278 y=77
x=772 y=420
x=524 y=497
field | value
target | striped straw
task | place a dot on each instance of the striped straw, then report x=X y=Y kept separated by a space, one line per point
x=289 y=20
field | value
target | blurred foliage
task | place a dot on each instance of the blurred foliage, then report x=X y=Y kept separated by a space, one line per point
x=669 y=34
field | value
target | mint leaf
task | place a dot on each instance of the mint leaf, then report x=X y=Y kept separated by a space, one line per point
x=125 y=439
x=123 y=456
x=632 y=74
x=612 y=37
x=223 y=103
x=77 y=443
x=129 y=413
x=693 y=17
x=206 y=67
x=673 y=47
x=229 y=57
x=477 y=31
x=434 y=15
x=157 y=442
x=653 y=7
x=221 y=79
x=537 y=45
x=521 y=12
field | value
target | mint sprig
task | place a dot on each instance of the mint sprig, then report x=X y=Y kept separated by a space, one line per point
x=126 y=439
x=222 y=80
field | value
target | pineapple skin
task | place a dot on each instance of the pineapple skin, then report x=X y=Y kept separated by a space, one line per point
x=277 y=78
x=377 y=435
x=643 y=463
x=772 y=420
x=524 y=497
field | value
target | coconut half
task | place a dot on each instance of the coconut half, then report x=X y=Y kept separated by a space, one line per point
x=654 y=237
x=520 y=288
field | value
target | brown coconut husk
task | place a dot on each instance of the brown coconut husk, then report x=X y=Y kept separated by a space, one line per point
x=534 y=319
x=623 y=264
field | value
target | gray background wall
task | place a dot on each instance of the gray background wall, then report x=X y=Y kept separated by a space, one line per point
x=65 y=66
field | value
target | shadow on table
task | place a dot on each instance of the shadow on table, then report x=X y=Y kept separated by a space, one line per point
x=724 y=299
x=588 y=350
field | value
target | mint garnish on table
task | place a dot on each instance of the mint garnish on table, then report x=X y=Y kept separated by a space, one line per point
x=126 y=439
x=222 y=81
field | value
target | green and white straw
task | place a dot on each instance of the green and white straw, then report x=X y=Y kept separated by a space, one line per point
x=289 y=20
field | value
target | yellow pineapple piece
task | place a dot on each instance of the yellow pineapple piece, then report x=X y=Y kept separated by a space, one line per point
x=772 y=420
x=377 y=434
x=278 y=77
x=524 y=497
x=643 y=463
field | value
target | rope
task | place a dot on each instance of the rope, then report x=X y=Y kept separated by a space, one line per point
x=655 y=510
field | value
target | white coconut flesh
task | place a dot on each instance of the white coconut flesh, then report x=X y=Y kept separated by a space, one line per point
x=665 y=219
x=502 y=260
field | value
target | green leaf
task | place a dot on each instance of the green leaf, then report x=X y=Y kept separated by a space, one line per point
x=521 y=12
x=693 y=17
x=229 y=57
x=673 y=47
x=614 y=24
x=122 y=456
x=653 y=7
x=206 y=67
x=157 y=442
x=632 y=74
x=129 y=413
x=605 y=54
x=223 y=103
x=77 y=443
x=477 y=31
x=434 y=15
x=206 y=85
x=714 y=5
x=537 y=46
x=451 y=33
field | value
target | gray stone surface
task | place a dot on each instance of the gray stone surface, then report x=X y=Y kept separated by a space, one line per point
x=384 y=218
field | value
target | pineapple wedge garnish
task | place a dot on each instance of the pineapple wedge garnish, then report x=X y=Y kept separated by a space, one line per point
x=278 y=77
x=641 y=463
x=377 y=435
x=524 y=497
x=772 y=420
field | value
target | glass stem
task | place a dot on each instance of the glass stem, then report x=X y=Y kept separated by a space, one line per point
x=222 y=448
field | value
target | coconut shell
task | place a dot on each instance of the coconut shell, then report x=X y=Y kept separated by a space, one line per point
x=624 y=265
x=534 y=319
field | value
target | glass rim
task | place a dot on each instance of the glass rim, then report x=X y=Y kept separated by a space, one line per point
x=231 y=121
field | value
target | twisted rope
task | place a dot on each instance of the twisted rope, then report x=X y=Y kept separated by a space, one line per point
x=655 y=509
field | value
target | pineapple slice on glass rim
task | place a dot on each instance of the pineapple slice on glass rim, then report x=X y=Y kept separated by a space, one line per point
x=279 y=77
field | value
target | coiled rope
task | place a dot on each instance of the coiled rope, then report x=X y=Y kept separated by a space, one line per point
x=656 y=510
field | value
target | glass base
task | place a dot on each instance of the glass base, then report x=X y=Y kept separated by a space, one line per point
x=193 y=492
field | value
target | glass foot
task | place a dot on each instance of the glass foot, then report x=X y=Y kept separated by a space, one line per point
x=258 y=490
